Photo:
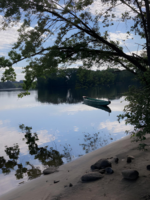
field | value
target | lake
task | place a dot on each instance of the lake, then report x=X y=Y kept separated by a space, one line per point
x=51 y=128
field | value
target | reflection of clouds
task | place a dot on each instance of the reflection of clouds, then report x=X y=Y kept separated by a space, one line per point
x=92 y=124
x=73 y=108
x=115 y=127
x=44 y=137
x=76 y=128
x=118 y=104
x=30 y=101
x=10 y=136
x=7 y=183
x=16 y=103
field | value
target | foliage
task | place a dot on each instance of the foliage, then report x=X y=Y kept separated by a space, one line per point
x=79 y=34
x=137 y=112
x=83 y=78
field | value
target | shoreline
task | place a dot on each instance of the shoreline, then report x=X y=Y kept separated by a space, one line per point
x=109 y=187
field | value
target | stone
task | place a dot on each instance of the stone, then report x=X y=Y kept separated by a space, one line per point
x=92 y=176
x=56 y=181
x=101 y=164
x=116 y=160
x=50 y=170
x=132 y=157
x=70 y=185
x=129 y=160
x=102 y=171
x=130 y=174
x=109 y=170
x=148 y=167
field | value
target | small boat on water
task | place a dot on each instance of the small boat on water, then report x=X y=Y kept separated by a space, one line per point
x=97 y=102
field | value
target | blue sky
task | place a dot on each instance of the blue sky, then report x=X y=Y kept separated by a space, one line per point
x=117 y=32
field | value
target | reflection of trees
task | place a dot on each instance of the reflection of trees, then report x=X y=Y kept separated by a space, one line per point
x=48 y=157
x=72 y=95
x=93 y=142
x=67 y=152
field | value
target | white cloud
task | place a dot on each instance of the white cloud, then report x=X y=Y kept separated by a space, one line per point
x=76 y=128
x=118 y=36
x=136 y=52
x=9 y=36
x=18 y=71
x=115 y=127
x=2 y=54
x=99 y=7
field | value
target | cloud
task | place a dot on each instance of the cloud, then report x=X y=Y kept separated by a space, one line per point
x=9 y=36
x=115 y=127
x=118 y=36
x=136 y=52
x=76 y=128
x=2 y=54
x=18 y=71
x=98 y=7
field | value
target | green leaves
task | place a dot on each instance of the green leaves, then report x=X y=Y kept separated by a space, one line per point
x=4 y=62
x=14 y=56
x=56 y=33
x=9 y=74
x=137 y=112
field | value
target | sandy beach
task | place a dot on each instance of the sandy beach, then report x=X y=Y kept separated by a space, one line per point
x=110 y=187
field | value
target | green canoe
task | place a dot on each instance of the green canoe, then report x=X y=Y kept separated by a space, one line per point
x=97 y=102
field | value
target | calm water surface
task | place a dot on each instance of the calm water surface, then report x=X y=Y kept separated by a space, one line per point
x=52 y=128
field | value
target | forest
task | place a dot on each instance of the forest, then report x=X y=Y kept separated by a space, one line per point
x=83 y=78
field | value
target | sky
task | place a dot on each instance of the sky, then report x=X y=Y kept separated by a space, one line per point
x=117 y=32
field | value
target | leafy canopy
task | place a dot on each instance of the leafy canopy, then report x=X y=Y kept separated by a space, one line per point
x=79 y=35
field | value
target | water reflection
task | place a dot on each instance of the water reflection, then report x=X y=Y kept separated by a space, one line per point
x=59 y=126
x=94 y=141
x=105 y=108
x=57 y=96
x=68 y=153
x=47 y=157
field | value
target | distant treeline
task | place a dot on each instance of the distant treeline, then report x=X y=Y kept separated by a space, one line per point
x=82 y=78
x=9 y=84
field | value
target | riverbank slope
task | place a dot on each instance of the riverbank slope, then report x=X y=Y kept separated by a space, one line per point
x=110 y=187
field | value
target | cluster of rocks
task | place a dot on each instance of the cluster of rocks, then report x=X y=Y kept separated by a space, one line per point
x=103 y=166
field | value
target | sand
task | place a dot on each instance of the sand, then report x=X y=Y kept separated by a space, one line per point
x=110 y=187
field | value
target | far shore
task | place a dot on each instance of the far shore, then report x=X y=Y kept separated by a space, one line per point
x=110 y=187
